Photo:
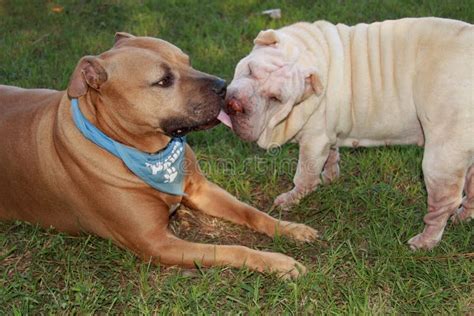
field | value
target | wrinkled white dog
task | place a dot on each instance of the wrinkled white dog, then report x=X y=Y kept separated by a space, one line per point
x=409 y=81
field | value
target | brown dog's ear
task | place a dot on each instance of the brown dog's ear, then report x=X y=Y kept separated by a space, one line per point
x=122 y=35
x=267 y=37
x=88 y=73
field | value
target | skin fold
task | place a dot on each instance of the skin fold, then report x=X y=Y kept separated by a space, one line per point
x=407 y=81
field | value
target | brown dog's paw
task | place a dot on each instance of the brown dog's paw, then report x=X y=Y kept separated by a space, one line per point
x=291 y=270
x=283 y=266
x=298 y=232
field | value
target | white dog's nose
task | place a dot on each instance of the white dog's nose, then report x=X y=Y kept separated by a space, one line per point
x=234 y=106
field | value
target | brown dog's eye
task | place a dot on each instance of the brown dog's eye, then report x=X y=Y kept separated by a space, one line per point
x=164 y=82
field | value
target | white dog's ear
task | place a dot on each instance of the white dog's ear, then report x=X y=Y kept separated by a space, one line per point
x=313 y=81
x=266 y=38
x=281 y=114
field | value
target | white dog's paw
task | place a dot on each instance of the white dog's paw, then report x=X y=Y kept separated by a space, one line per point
x=421 y=241
x=287 y=200
x=331 y=167
x=298 y=231
x=463 y=214
x=330 y=174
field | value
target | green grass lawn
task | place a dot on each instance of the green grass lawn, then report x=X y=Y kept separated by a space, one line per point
x=361 y=265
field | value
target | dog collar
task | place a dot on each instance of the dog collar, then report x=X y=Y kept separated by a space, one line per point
x=162 y=170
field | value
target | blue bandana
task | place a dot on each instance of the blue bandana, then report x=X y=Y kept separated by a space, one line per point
x=162 y=171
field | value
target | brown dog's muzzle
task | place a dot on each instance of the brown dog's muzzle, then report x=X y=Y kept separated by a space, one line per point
x=207 y=94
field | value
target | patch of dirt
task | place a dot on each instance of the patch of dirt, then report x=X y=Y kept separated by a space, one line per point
x=16 y=262
x=196 y=226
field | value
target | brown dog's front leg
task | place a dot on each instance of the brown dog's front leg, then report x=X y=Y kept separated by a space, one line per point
x=213 y=200
x=171 y=250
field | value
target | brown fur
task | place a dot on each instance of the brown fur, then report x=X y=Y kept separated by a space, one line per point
x=53 y=176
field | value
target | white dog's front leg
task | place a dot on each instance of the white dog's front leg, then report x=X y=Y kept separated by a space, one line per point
x=331 y=167
x=312 y=157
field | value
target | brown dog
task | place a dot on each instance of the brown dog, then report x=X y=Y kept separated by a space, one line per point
x=139 y=93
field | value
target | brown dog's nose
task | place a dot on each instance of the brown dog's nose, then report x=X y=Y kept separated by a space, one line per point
x=235 y=106
x=220 y=87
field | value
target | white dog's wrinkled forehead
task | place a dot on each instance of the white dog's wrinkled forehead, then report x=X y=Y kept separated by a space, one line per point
x=265 y=59
x=268 y=71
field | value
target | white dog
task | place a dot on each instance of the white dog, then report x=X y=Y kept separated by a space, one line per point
x=409 y=81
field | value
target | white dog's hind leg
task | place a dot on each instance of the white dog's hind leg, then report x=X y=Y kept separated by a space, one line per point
x=466 y=211
x=312 y=156
x=444 y=171
x=331 y=167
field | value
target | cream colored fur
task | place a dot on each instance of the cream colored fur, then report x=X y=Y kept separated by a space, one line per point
x=408 y=81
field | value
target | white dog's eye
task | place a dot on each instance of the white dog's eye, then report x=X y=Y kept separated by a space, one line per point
x=251 y=68
x=275 y=99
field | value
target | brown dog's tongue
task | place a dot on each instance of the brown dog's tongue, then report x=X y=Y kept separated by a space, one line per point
x=225 y=119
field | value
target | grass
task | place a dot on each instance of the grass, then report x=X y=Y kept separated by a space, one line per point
x=362 y=264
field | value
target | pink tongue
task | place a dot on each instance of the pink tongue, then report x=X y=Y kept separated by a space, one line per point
x=225 y=119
